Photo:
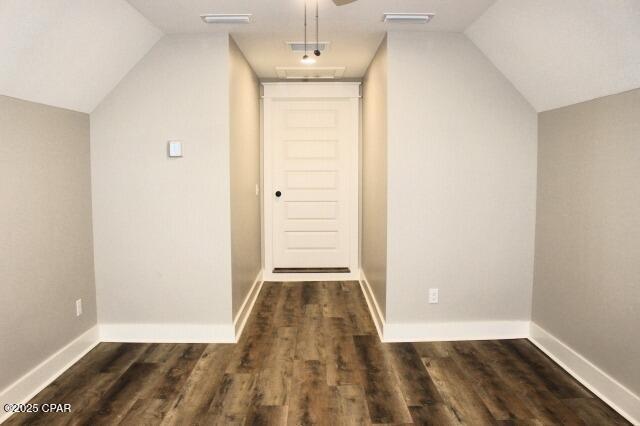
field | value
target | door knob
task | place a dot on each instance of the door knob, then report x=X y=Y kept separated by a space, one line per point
x=278 y=194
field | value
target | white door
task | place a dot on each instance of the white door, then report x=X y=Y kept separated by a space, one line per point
x=313 y=176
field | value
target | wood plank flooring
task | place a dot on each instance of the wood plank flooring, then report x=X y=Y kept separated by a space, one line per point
x=310 y=355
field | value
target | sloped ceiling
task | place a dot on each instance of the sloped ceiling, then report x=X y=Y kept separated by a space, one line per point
x=69 y=53
x=562 y=52
x=72 y=53
x=354 y=30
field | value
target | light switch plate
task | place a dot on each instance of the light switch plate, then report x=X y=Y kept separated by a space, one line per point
x=433 y=295
x=175 y=149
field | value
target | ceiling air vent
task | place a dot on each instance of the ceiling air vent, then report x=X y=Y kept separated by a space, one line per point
x=215 y=18
x=408 y=18
x=298 y=46
x=309 y=73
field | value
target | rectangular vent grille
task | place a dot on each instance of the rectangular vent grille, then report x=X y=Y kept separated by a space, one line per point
x=409 y=18
x=298 y=46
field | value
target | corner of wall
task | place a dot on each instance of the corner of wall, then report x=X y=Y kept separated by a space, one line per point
x=244 y=171
x=499 y=71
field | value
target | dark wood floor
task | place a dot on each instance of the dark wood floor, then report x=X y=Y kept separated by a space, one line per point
x=310 y=355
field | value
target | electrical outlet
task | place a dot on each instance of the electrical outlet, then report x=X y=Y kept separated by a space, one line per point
x=257 y=189
x=433 y=295
x=78 y=307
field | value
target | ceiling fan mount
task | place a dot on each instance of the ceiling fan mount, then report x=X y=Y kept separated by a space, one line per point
x=310 y=60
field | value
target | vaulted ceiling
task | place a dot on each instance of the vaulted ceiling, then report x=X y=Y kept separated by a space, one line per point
x=354 y=30
x=72 y=53
x=69 y=53
x=561 y=52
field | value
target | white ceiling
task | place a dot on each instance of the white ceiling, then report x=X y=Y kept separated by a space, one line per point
x=354 y=30
x=72 y=53
x=69 y=53
x=561 y=52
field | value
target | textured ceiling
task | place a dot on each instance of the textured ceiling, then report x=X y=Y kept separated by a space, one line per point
x=69 y=53
x=354 y=30
x=561 y=52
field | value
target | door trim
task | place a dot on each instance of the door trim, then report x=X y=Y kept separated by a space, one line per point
x=341 y=90
x=314 y=90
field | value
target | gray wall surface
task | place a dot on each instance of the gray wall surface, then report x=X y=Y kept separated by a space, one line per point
x=462 y=184
x=374 y=176
x=161 y=226
x=46 y=249
x=244 y=114
x=587 y=262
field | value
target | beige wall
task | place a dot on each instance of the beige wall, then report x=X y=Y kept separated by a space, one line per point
x=461 y=184
x=587 y=261
x=162 y=226
x=46 y=254
x=244 y=110
x=374 y=176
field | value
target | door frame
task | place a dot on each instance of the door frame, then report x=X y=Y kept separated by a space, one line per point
x=302 y=91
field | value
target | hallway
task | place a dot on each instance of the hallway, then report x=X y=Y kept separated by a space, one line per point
x=310 y=355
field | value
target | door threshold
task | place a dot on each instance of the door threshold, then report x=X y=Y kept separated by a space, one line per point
x=311 y=270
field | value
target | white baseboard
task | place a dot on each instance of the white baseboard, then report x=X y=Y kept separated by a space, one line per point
x=372 y=303
x=439 y=331
x=453 y=331
x=168 y=333
x=247 y=306
x=597 y=381
x=604 y=386
x=185 y=333
x=47 y=371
